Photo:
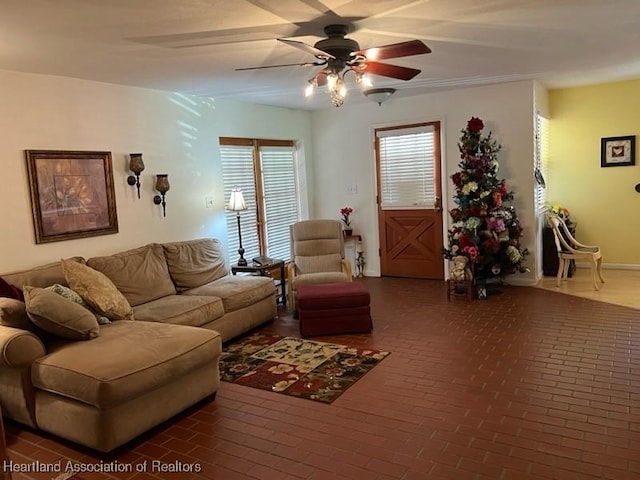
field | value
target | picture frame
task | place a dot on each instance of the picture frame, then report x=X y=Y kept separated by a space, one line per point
x=618 y=151
x=72 y=194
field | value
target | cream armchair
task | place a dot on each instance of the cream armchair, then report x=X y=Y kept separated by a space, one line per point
x=317 y=255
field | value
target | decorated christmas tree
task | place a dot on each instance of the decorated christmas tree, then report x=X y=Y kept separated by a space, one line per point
x=485 y=226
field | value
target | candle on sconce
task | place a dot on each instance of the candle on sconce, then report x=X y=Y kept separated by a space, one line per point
x=358 y=247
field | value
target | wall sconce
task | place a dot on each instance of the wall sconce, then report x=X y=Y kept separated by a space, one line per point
x=136 y=165
x=162 y=185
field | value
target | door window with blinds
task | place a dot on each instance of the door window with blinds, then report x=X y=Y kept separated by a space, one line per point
x=407 y=167
x=265 y=171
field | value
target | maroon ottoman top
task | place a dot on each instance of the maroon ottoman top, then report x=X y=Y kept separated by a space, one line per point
x=333 y=295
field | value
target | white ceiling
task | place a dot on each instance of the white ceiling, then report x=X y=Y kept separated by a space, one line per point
x=194 y=46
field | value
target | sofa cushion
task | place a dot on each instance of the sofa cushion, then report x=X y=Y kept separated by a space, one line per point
x=41 y=276
x=97 y=290
x=142 y=356
x=13 y=313
x=69 y=294
x=195 y=262
x=238 y=291
x=59 y=316
x=141 y=274
x=180 y=309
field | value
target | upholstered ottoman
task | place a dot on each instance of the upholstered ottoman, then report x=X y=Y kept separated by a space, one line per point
x=333 y=308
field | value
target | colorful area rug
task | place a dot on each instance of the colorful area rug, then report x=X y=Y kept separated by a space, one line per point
x=297 y=367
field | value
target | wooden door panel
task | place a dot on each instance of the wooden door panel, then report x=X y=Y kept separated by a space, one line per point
x=411 y=243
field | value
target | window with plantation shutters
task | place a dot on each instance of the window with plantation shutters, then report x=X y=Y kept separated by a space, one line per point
x=265 y=171
x=541 y=158
x=407 y=167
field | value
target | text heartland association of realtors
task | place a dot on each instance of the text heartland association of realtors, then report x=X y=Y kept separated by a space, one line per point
x=101 y=467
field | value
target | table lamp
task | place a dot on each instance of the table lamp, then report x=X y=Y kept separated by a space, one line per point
x=237 y=204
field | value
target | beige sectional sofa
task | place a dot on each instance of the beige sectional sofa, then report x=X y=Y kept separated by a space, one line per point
x=139 y=370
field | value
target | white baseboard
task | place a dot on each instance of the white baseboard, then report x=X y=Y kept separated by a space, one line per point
x=611 y=266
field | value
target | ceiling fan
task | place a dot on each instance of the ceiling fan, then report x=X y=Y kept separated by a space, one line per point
x=339 y=55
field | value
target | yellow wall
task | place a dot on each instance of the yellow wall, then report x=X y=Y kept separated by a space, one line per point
x=602 y=200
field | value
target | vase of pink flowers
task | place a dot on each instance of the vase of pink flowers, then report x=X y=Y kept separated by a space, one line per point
x=345 y=212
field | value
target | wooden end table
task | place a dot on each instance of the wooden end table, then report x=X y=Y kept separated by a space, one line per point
x=266 y=270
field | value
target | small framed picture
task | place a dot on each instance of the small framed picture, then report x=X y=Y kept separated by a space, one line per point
x=618 y=151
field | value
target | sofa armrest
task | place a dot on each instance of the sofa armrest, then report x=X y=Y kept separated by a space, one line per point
x=19 y=348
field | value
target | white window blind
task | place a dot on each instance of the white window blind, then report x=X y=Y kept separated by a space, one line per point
x=280 y=198
x=541 y=158
x=407 y=167
x=265 y=171
x=237 y=171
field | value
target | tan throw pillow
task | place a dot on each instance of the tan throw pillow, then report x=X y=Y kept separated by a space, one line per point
x=59 y=316
x=97 y=290
x=13 y=313
x=69 y=294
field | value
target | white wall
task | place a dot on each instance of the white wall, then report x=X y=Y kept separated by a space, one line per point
x=177 y=135
x=343 y=149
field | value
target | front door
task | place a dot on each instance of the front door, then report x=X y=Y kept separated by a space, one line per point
x=409 y=201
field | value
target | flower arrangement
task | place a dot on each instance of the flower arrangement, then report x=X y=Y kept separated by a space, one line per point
x=485 y=226
x=562 y=212
x=345 y=212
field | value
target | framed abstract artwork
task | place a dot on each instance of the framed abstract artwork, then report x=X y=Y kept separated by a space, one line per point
x=618 y=151
x=72 y=194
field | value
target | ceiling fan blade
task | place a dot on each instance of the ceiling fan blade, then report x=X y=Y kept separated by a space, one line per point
x=388 y=70
x=307 y=64
x=307 y=48
x=395 y=50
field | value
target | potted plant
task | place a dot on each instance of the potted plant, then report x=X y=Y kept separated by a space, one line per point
x=346 y=221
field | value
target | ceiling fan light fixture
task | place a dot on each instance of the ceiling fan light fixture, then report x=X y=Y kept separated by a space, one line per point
x=332 y=80
x=364 y=80
x=379 y=95
x=337 y=91
x=309 y=90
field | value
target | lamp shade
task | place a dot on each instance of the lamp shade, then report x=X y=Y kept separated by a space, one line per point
x=136 y=165
x=236 y=201
x=162 y=183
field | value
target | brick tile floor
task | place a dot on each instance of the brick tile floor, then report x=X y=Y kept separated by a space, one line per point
x=528 y=384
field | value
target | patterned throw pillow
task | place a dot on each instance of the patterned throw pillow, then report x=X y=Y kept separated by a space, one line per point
x=69 y=294
x=97 y=290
